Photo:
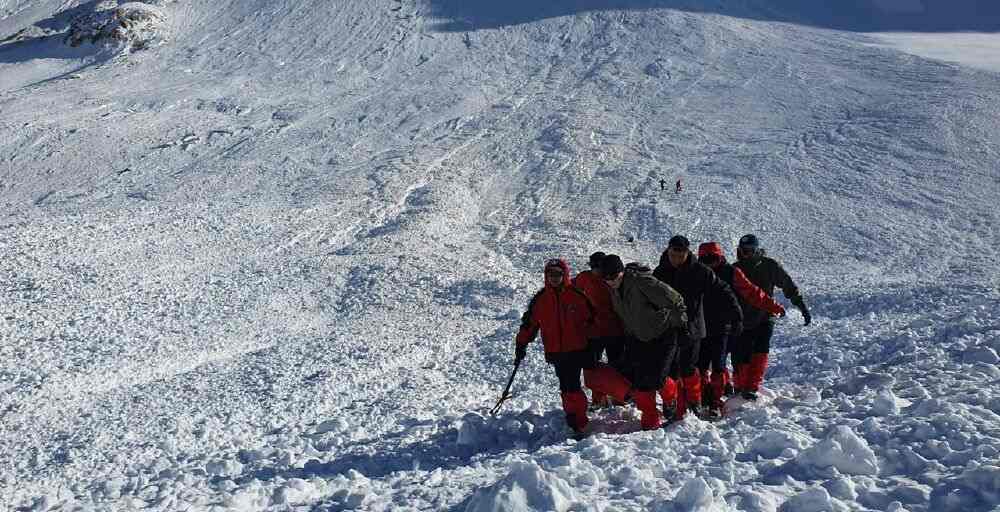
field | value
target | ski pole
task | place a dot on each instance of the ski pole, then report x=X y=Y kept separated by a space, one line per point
x=506 y=391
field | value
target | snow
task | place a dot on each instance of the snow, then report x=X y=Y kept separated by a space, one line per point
x=276 y=259
x=974 y=49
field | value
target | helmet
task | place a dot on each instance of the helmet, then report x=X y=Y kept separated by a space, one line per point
x=749 y=246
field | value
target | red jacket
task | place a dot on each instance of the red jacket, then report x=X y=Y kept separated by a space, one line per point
x=563 y=314
x=606 y=321
x=744 y=288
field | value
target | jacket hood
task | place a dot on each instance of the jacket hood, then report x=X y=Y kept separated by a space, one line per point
x=557 y=262
x=712 y=249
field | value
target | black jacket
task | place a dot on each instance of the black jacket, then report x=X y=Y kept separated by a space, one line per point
x=718 y=317
x=697 y=283
x=768 y=274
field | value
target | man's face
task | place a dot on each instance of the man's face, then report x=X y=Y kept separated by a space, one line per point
x=745 y=252
x=554 y=276
x=615 y=280
x=677 y=256
x=711 y=260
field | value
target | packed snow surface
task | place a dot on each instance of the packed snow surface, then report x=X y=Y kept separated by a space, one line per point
x=277 y=259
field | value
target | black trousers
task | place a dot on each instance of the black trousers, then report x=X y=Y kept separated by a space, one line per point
x=686 y=361
x=713 y=353
x=613 y=346
x=646 y=363
x=753 y=341
x=569 y=368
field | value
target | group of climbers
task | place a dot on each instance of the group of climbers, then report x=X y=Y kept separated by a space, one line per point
x=663 y=332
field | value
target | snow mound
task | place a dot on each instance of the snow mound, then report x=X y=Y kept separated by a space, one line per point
x=132 y=25
x=843 y=450
x=886 y=403
x=974 y=489
x=526 y=487
x=814 y=500
x=980 y=354
x=697 y=495
x=771 y=444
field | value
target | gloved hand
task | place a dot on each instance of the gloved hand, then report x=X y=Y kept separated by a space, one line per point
x=519 y=352
x=781 y=312
x=801 y=304
x=735 y=329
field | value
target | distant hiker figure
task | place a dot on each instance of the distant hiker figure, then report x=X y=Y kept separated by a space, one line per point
x=678 y=187
x=663 y=184
x=565 y=317
x=750 y=352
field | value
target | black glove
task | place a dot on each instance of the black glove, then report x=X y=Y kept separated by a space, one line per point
x=736 y=328
x=519 y=352
x=801 y=304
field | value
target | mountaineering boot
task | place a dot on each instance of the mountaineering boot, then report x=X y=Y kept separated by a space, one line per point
x=575 y=405
x=606 y=381
x=668 y=394
x=716 y=387
x=645 y=401
x=758 y=366
x=740 y=377
x=708 y=394
x=692 y=393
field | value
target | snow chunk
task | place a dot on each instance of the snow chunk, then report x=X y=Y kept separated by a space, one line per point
x=470 y=429
x=334 y=425
x=980 y=354
x=843 y=450
x=225 y=468
x=814 y=500
x=975 y=489
x=133 y=25
x=526 y=487
x=696 y=495
x=842 y=488
x=885 y=404
x=770 y=445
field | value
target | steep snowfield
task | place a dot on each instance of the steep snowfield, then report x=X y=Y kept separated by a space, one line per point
x=278 y=261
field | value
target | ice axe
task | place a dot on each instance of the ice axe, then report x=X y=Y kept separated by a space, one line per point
x=506 y=391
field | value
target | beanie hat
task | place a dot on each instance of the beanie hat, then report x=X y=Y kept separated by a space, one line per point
x=750 y=241
x=678 y=242
x=611 y=265
x=595 y=259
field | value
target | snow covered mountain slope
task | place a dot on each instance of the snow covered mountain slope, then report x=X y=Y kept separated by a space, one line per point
x=277 y=262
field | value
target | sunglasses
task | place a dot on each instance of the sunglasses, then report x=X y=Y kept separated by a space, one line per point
x=553 y=273
x=612 y=277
